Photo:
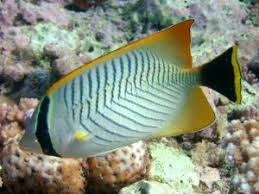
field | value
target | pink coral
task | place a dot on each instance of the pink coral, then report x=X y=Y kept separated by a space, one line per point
x=9 y=11
x=51 y=12
x=25 y=172
x=249 y=76
x=207 y=154
x=243 y=151
x=12 y=118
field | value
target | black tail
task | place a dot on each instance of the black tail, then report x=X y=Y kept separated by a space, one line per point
x=223 y=75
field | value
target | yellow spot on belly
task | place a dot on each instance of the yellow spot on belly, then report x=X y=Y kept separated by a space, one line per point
x=80 y=135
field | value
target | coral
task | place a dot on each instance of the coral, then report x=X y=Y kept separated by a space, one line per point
x=207 y=154
x=249 y=76
x=35 y=85
x=243 y=152
x=209 y=29
x=209 y=176
x=29 y=28
x=16 y=57
x=45 y=34
x=17 y=61
x=40 y=40
x=249 y=106
x=67 y=63
x=12 y=113
x=253 y=16
x=209 y=133
x=111 y=172
x=12 y=118
x=15 y=72
x=40 y=173
x=20 y=13
x=50 y=12
x=9 y=10
x=172 y=171
x=24 y=172
x=251 y=112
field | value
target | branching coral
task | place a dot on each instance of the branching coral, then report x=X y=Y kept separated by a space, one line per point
x=243 y=152
x=24 y=172
x=12 y=118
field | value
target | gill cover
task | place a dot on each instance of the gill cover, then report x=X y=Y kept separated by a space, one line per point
x=37 y=134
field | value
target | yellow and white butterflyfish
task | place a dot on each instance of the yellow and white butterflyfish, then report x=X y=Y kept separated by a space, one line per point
x=143 y=90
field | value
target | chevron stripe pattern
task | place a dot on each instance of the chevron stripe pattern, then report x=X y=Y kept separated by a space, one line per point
x=124 y=99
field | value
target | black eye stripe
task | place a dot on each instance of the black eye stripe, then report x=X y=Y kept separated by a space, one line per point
x=42 y=132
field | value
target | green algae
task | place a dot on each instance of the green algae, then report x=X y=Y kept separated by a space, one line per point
x=157 y=14
x=46 y=33
x=49 y=33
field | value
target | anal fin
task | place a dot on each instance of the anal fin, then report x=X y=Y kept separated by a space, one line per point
x=195 y=114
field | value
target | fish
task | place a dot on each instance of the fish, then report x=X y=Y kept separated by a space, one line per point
x=146 y=89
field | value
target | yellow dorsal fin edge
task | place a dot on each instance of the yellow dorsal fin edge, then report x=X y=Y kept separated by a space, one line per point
x=176 y=39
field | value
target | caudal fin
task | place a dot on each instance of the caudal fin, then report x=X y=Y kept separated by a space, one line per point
x=223 y=75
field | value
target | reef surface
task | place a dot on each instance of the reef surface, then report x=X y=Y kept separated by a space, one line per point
x=41 y=40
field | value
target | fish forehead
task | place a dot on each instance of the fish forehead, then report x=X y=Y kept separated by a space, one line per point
x=118 y=101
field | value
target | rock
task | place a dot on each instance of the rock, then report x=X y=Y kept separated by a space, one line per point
x=148 y=187
x=171 y=166
x=209 y=176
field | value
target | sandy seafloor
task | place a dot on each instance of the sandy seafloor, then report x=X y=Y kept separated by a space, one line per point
x=41 y=40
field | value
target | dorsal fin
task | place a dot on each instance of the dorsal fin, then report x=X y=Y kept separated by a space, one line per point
x=195 y=115
x=173 y=44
